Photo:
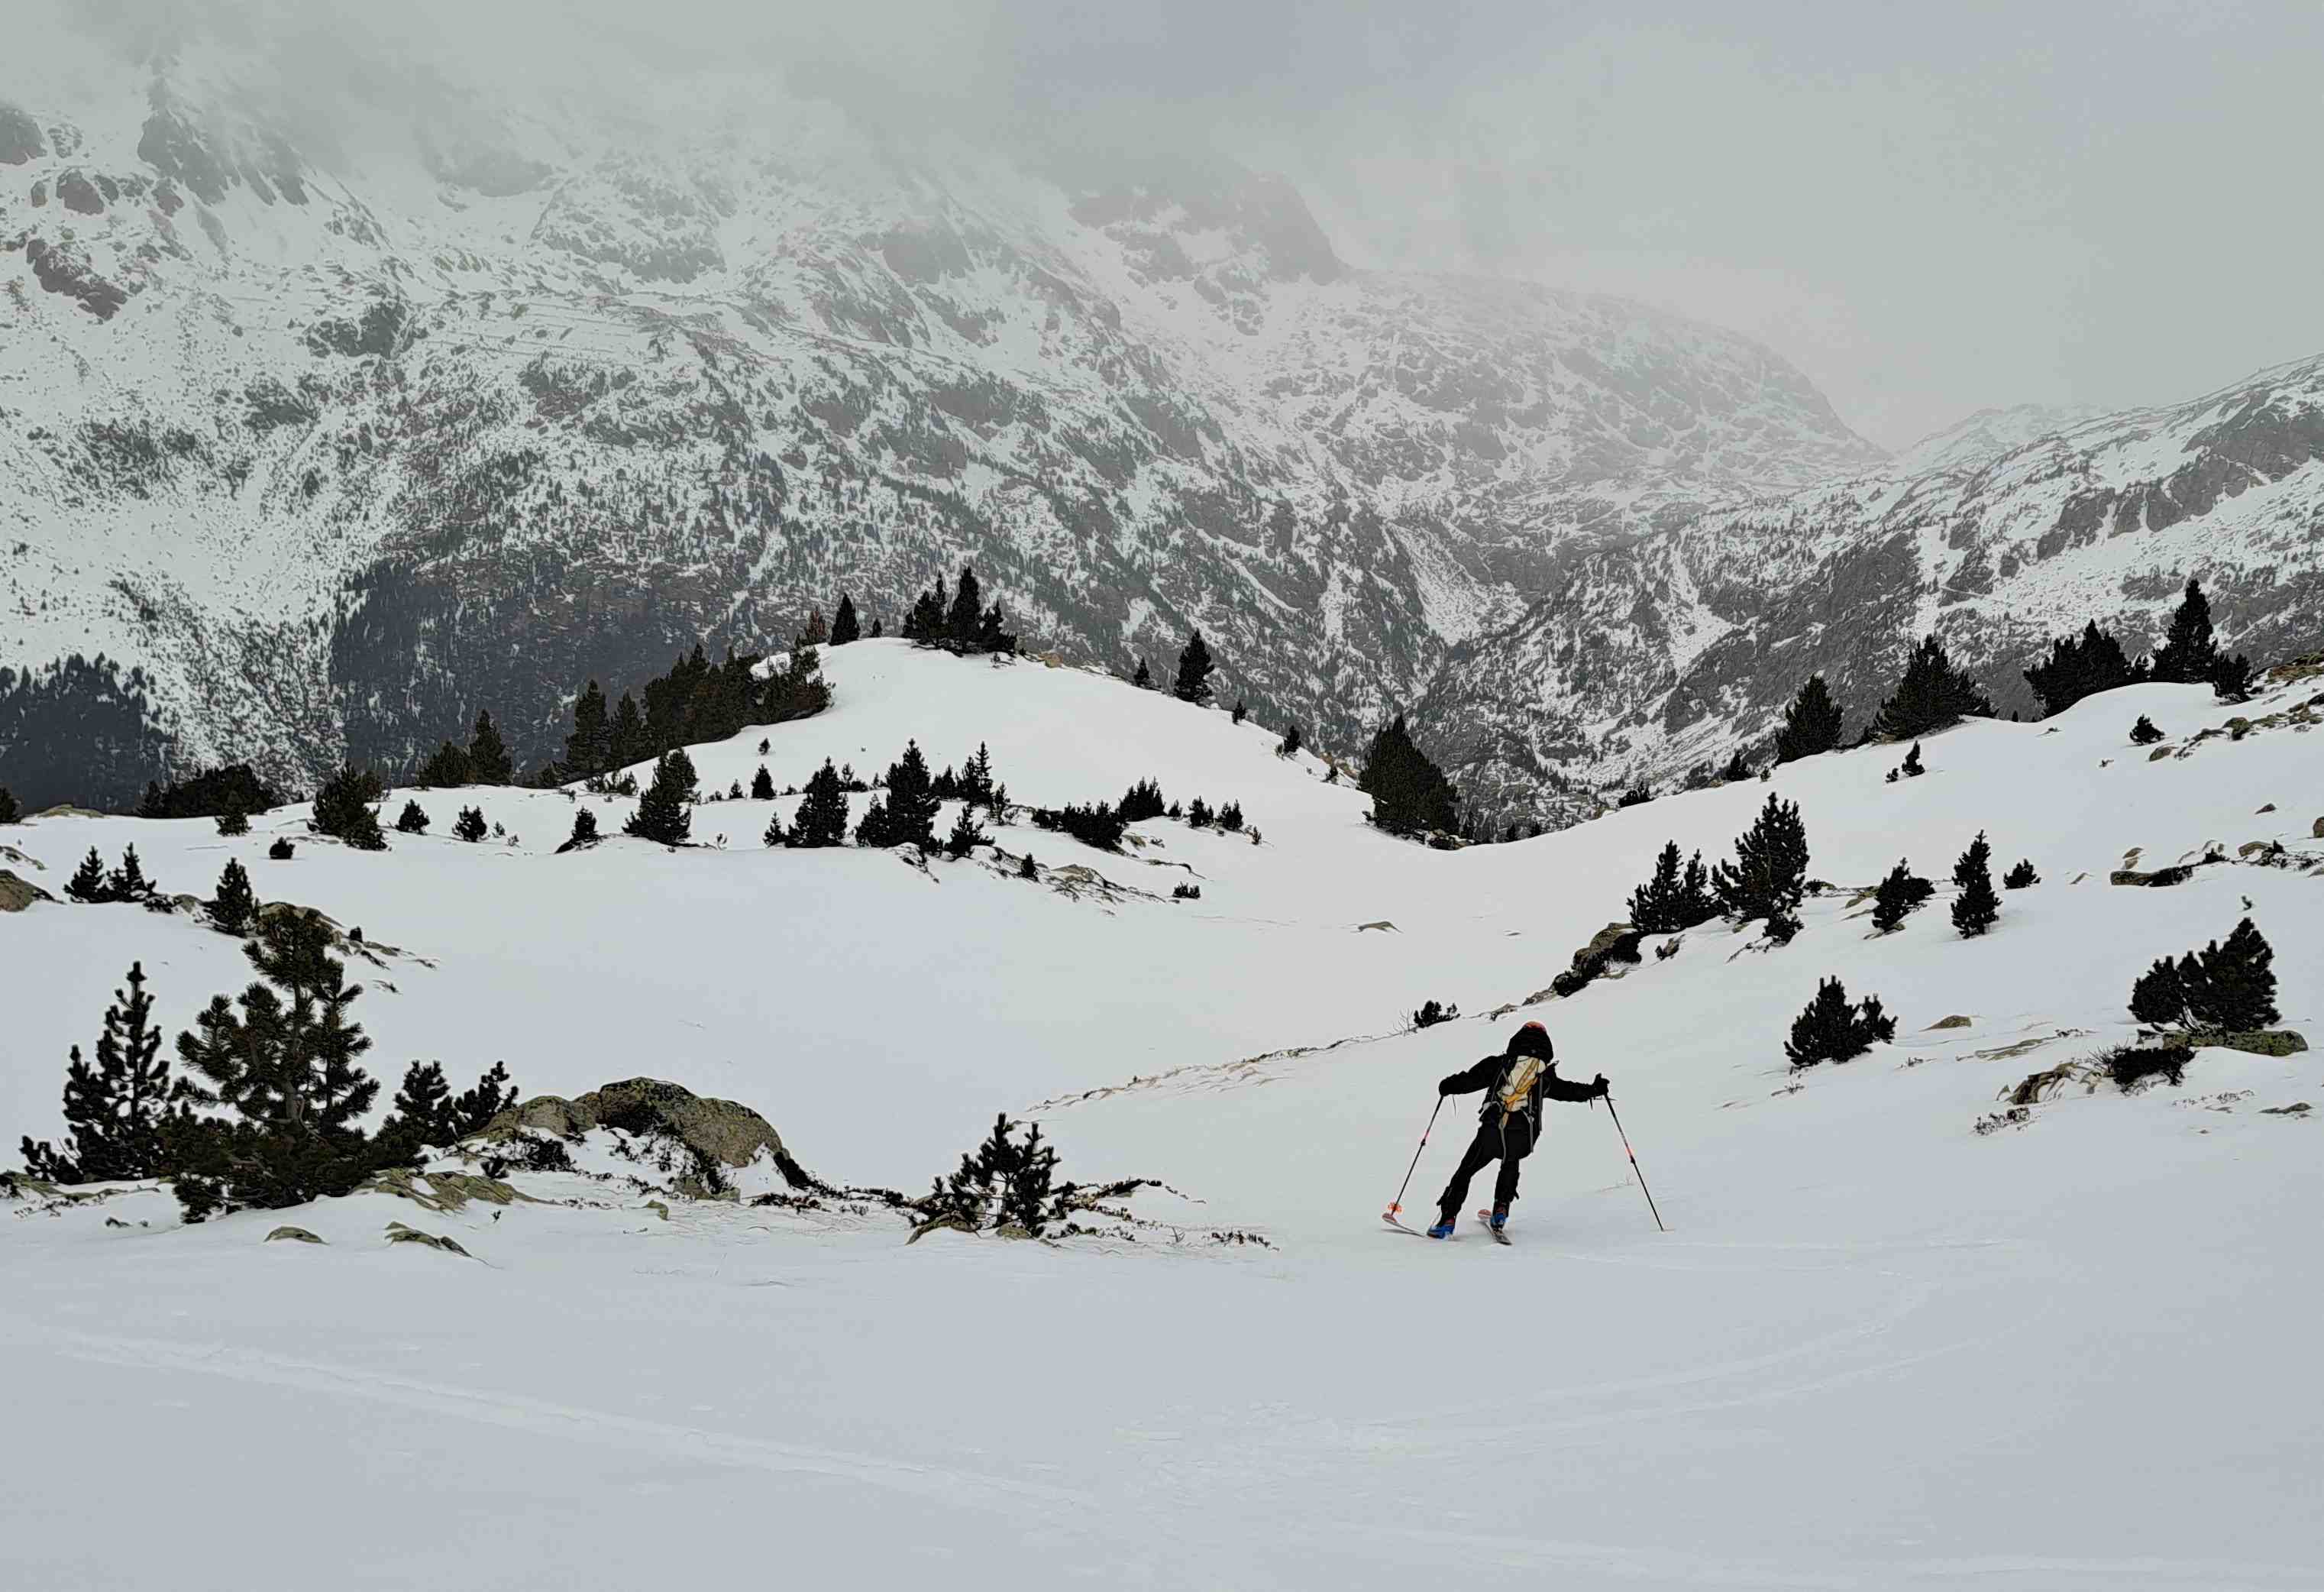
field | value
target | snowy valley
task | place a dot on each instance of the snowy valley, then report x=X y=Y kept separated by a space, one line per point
x=1960 y=1309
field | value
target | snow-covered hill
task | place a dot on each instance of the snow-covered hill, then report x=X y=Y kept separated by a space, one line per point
x=341 y=420
x=1877 y=1348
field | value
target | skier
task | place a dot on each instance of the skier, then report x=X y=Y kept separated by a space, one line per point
x=1509 y=1125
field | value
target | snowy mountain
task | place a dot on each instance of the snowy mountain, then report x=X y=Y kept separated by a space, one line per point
x=339 y=410
x=1682 y=642
x=1972 y=443
x=1903 y=1329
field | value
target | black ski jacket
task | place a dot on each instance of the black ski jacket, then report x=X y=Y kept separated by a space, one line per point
x=1488 y=1073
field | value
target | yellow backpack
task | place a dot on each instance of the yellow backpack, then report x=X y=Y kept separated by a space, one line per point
x=1517 y=1083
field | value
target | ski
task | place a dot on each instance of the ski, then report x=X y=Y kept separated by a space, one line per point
x=1486 y=1218
x=1395 y=1225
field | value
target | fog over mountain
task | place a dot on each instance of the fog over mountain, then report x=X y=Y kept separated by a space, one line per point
x=364 y=368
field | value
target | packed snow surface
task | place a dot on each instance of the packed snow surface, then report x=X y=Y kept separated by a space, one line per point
x=1876 y=1347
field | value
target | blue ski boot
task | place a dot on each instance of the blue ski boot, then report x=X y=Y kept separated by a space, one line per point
x=1443 y=1229
x=1499 y=1218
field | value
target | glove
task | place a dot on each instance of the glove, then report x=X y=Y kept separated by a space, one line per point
x=1598 y=1086
x=1450 y=1085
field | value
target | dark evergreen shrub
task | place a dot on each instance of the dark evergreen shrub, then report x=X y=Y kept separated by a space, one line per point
x=232 y=822
x=846 y=625
x=2223 y=988
x=1194 y=666
x=412 y=820
x=2144 y=733
x=965 y=836
x=762 y=785
x=1636 y=796
x=1186 y=893
x=1911 y=767
x=2020 y=876
x=1812 y=724
x=2129 y=1066
x=1198 y=813
x=1735 y=768
x=1831 y=1028
x=1240 y=713
x=2190 y=654
x=211 y=794
x=584 y=828
x=10 y=810
x=1976 y=906
x=470 y=825
x=1026 y=868
x=1230 y=817
x=447 y=767
x=1410 y=794
x=1290 y=743
x=822 y=816
x=1671 y=903
x=907 y=817
x=665 y=813
x=1005 y=1184
x=88 y=883
x=1900 y=893
x=1933 y=695
x=2081 y=667
x=116 y=1110
x=1098 y=826
x=235 y=905
x=1144 y=678
x=343 y=809
x=279 y=851
x=1768 y=877
x=128 y=881
x=1432 y=1013
x=1142 y=801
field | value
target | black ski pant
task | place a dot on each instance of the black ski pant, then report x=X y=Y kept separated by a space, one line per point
x=1506 y=1140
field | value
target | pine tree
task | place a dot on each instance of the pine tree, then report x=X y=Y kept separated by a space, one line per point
x=1026 y=868
x=1144 y=678
x=627 y=737
x=115 y=1111
x=2081 y=667
x=818 y=631
x=1230 y=817
x=1737 y=770
x=88 y=883
x=977 y=784
x=412 y=820
x=1636 y=796
x=2144 y=733
x=924 y=622
x=2158 y=997
x=773 y=835
x=1194 y=666
x=1697 y=901
x=590 y=749
x=965 y=836
x=10 y=810
x=822 y=816
x=1410 y=794
x=2231 y=677
x=762 y=785
x=844 y=625
x=879 y=628
x=966 y=616
x=1977 y=906
x=1768 y=877
x=2020 y=876
x=470 y=825
x=1198 y=813
x=488 y=754
x=287 y=1068
x=1911 y=767
x=235 y=904
x=2188 y=655
x=1290 y=743
x=1812 y=724
x=910 y=813
x=1240 y=713
x=2237 y=991
x=446 y=769
x=1901 y=893
x=1655 y=905
x=1831 y=1028
x=233 y=822
x=664 y=815
x=1142 y=801
x=343 y=808
x=419 y=1117
x=1933 y=695
x=128 y=882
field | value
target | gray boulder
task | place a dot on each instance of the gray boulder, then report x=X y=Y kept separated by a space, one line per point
x=731 y=1134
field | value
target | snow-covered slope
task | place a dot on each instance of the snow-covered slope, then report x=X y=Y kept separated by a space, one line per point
x=1876 y=1348
x=1683 y=644
x=1976 y=441
x=340 y=420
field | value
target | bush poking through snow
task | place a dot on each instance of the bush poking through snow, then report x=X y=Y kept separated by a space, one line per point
x=966 y=836
x=232 y=822
x=281 y=850
x=2132 y=1065
x=115 y=1110
x=2223 y=988
x=12 y=811
x=1186 y=893
x=1977 y=906
x=1831 y=1028
x=470 y=825
x=1810 y=723
x=665 y=814
x=1142 y=801
x=1673 y=901
x=1099 y=826
x=412 y=820
x=1005 y=1186
x=343 y=809
x=584 y=830
x=1433 y=1013
x=1900 y=893
x=2020 y=876
x=2144 y=733
x=1768 y=875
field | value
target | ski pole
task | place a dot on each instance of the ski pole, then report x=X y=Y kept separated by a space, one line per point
x=1632 y=1154
x=1397 y=1205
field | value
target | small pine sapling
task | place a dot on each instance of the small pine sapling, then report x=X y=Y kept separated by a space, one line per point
x=12 y=811
x=1899 y=893
x=2020 y=876
x=2144 y=733
x=1831 y=1029
x=584 y=827
x=1977 y=906
x=88 y=883
x=281 y=850
x=128 y=882
x=1289 y=746
x=233 y=822
x=1911 y=767
x=1432 y=1013
x=1026 y=868
x=412 y=820
x=470 y=825
x=762 y=785
x=965 y=836
x=773 y=835
x=235 y=904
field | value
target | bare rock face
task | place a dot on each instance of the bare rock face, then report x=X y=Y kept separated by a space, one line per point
x=292 y=1235
x=16 y=894
x=731 y=1134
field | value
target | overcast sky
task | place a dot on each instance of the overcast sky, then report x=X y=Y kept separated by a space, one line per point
x=1930 y=208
